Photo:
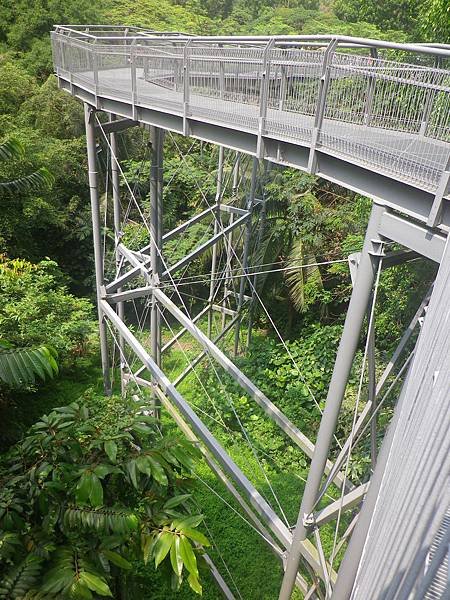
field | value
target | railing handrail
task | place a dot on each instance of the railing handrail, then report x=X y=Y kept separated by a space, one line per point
x=441 y=50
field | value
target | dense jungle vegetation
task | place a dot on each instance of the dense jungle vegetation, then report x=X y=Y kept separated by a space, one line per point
x=92 y=498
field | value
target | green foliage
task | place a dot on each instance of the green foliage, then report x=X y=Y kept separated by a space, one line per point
x=36 y=309
x=435 y=21
x=16 y=85
x=13 y=149
x=20 y=366
x=85 y=499
x=390 y=14
x=25 y=26
x=161 y=15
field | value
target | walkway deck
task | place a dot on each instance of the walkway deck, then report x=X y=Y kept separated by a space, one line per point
x=373 y=125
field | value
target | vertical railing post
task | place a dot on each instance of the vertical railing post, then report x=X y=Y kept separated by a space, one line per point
x=321 y=103
x=186 y=88
x=282 y=87
x=117 y=210
x=89 y=117
x=368 y=265
x=264 y=97
x=248 y=231
x=370 y=89
x=95 y=69
x=221 y=77
x=133 y=59
x=429 y=102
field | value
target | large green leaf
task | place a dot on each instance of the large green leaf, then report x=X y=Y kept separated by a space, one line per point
x=162 y=546
x=95 y=583
x=117 y=559
x=176 y=559
x=188 y=556
x=111 y=450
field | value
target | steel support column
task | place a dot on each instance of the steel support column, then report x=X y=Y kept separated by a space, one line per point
x=344 y=361
x=155 y=241
x=89 y=117
x=248 y=232
x=216 y=231
x=261 y=225
x=115 y=181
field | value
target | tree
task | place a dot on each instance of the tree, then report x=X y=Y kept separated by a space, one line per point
x=389 y=14
x=36 y=309
x=88 y=497
x=435 y=21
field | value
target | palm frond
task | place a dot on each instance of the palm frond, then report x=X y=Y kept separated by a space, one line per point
x=297 y=276
x=42 y=178
x=21 y=366
x=12 y=148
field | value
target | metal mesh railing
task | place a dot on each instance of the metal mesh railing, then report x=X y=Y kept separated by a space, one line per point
x=379 y=104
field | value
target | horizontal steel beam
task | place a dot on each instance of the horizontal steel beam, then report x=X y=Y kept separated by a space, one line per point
x=419 y=238
x=203 y=247
x=116 y=126
x=139 y=292
x=261 y=399
x=139 y=268
x=347 y=502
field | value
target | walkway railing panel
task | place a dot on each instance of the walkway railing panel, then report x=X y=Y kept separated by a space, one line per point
x=348 y=99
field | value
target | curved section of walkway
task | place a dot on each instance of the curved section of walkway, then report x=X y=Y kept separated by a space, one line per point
x=373 y=116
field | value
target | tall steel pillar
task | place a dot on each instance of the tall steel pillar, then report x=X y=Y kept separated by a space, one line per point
x=248 y=233
x=117 y=210
x=357 y=309
x=261 y=226
x=219 y=185
x=156 y=166
x=89 y=116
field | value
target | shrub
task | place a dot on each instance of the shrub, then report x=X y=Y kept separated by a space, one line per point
x=89 y=496
x=36 y=308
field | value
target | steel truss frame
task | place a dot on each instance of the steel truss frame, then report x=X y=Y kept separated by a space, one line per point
x=292 y=547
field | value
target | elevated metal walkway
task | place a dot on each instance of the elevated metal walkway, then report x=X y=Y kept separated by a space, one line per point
x=372 y=116
x=369 y=115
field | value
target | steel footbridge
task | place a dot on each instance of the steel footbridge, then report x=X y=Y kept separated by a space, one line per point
x=371 y=116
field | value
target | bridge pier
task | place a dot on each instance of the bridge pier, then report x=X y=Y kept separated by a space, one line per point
x=89 y=117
